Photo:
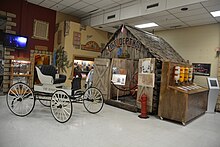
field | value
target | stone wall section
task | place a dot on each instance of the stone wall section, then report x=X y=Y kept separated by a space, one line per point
x=10 y=28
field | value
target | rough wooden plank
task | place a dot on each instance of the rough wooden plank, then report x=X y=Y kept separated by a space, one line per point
x=146 y=79
x=101 y=74
x=163 y=87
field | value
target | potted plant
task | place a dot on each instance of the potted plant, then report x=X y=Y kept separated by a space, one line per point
x=62 y=61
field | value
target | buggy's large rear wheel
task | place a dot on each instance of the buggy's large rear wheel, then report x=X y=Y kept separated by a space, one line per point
x=61 y=106
x=20 y=99
x=93 y=100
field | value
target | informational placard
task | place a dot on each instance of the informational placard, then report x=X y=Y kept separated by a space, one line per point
x=201 y=69
x=119 y=79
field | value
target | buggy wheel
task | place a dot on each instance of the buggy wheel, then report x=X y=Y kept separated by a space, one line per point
x=61 y=106
x=20 y=99
x=93 y=100
x=44 y=100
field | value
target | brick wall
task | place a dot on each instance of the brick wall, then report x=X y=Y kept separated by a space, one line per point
x=10 y=28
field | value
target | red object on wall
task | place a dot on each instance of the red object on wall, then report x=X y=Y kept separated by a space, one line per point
x=143 y=107
x=25 y=15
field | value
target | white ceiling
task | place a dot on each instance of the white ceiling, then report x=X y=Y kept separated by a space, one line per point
x=171 y=17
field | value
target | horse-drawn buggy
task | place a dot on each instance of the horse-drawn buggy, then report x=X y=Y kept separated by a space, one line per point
x=52 y=93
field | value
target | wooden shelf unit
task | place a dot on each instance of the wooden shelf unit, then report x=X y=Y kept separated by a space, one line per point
x=178 y=104
x=20 y=69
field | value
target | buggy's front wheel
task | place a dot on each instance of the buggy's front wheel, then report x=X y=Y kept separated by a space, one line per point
x=20 y=99
x=93 y=100
x=61 y=106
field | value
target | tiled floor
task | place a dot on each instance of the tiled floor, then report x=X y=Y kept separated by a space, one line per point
x=112 y=127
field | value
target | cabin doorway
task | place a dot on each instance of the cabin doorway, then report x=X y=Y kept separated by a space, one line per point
x=123 y=89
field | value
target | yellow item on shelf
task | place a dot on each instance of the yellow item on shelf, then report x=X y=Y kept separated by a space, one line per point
x=186 y=74
x=182 y=69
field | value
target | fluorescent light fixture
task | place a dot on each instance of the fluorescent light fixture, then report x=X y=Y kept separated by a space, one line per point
x=215 y=13
x=146 y=25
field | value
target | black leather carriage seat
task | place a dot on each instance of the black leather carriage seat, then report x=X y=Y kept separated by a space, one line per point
x=50 y=70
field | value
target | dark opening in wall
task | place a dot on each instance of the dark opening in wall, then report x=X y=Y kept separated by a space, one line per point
x=111 y=16
x=153 y=5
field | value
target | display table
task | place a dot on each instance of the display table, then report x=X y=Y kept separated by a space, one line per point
x=181 y=103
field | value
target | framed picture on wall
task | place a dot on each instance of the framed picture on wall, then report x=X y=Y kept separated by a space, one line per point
x=41 y=30
x=201 y=69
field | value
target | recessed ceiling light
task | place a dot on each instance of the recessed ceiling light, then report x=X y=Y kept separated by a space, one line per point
x=146 y=25
x=215 y=13
x=184 y=9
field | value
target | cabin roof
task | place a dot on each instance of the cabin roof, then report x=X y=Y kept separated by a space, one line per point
x=157 y=46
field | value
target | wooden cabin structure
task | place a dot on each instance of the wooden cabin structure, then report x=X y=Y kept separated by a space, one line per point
x=125 y=53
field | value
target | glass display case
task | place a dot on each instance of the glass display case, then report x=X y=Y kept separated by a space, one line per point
x=20 y=71
x=21 y=67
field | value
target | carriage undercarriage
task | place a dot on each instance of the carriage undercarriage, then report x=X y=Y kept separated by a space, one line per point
x=21 y=99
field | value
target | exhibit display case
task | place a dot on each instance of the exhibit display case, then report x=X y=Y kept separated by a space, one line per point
x=20 y=71
x=181 y=100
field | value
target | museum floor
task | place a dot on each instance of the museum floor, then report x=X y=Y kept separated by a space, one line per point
x=112 y=127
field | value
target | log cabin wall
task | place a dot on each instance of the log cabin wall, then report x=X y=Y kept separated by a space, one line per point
x=156 y=90
x=133 y=44
x=130 y=62
x=218 y=100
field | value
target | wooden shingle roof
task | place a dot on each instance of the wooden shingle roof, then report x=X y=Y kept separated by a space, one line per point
x=157 y=46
